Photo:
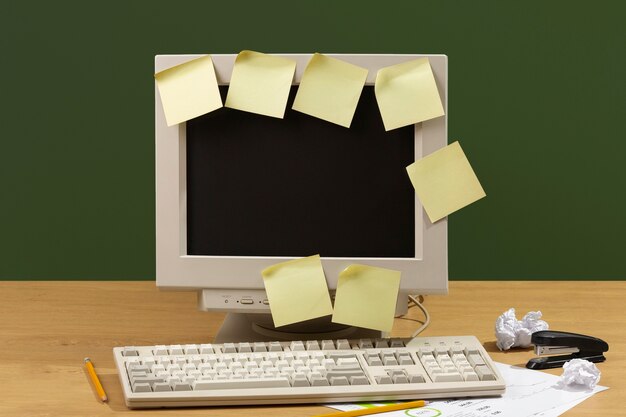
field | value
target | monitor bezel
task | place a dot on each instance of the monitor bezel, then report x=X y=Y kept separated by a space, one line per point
x=425 y=273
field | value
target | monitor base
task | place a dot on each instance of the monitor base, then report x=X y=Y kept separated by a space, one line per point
x=241 y=327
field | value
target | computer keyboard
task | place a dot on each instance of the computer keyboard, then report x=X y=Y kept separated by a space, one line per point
x=321 y=371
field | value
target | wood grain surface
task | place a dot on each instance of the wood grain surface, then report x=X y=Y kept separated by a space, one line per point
x=47 y=328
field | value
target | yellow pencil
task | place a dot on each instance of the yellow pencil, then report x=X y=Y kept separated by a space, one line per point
x=376 y=410
x=96 y=381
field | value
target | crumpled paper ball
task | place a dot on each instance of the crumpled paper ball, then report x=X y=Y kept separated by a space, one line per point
x=580 y=372
x=511 y=332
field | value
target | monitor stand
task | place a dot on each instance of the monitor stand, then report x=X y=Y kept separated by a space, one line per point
x=243 y=327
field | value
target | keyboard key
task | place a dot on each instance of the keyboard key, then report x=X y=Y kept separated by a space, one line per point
x=347 y=374
x=142 y=387
x=365 y=344
x=416 y=378
x=228 y=358
x=343 y=344
x=447 y=377
x=161 y=387
x=328 y=363
x=206 y=349
x=441 y=350
x=259 y=347
x=130 y=351
x=297 y=363
x=484 y=373
x=340 y=355
x=457 y=349
x=405 y=360
x=400 y=379
x=348 y=362
x=299 y=380
x=319 y=381
x=179 y=374
x=157 y=368
x=275 y=347
x=338 y=380
x=181 y=386
x=146 y=380
x=470 y=350
x=389 y=361
x=359 y=380
x=312 y=345
x=373 y=359
x=392 y=372
x=396 y=343
x=383 y=379
x=328 y=345
x=311 y=363
x=175 y=350
x=191 y=349
x=290 y=370
x=475 y=359
x=249 y=382
x=229 y=348
x=244 y=347
x=196 y=360
x=465 y=368
x=159 y=350
x=381 y=343
x=296 y=346
x=137 y=367
x=470 y=376
x=257 y=357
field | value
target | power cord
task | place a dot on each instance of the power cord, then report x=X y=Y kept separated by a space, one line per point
x=418 y=304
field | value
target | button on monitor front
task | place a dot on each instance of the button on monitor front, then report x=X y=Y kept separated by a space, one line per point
x=247 y=301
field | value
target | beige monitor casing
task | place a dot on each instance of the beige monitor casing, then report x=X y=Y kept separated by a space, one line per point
x=223 y=280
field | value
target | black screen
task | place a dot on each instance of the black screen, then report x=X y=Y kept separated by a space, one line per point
x=298 y=186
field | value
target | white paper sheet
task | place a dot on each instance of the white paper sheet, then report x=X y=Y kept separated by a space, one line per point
x=528 y=393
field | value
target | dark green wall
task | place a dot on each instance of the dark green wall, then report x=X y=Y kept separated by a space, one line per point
x=537 y=99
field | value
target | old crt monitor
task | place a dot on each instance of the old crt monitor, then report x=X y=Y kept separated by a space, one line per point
x=237 y=192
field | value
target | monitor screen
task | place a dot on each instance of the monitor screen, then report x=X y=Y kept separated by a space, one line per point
x=298 y=186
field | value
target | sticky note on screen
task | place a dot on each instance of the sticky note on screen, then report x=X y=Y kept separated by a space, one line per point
x=407 y=94
x=260 y=83
x=366 y=297
x=188 y=90
x=445 y=181
x=330 y=89
x=297 y=290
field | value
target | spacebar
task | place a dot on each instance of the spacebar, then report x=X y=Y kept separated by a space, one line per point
x=241 y=383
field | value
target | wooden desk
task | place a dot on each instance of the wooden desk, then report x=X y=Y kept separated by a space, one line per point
x=47 y=328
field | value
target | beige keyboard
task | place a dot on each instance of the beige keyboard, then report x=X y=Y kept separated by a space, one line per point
x=318 y=371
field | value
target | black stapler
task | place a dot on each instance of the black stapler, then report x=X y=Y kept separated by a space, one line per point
x=578 y=346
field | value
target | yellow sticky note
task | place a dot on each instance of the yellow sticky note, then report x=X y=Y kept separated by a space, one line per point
x=407 y=94
x=330 y=89
x=260 y=83
x=366 y=297
x=297 y=290
x=188 y=90
x=445 y=181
